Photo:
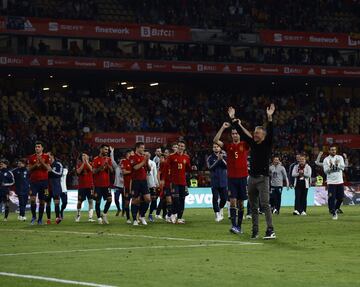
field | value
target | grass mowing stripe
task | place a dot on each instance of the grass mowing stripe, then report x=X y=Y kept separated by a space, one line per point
x=140 y=236
x=119 y=248
x=50 y=279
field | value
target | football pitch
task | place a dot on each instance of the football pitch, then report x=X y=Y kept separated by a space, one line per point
x=310 y=250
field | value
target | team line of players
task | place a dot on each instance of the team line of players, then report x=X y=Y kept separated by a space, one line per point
x=142 y=181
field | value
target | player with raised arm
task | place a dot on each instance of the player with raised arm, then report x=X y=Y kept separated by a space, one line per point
x=237 y=172
x=118 y=182
x=217 y=165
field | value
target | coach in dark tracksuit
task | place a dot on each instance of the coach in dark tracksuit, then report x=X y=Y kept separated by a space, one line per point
x=260 y=143
x=216 y=163
x=22 y=186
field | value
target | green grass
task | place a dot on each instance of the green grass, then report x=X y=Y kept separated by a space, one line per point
x=309 y=251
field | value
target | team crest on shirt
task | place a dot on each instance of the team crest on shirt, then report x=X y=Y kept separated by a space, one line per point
x=175 y=160
x=241 y=148
x=184 y=161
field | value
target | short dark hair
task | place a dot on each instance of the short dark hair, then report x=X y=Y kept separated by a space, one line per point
x=4 y=160
x=181 y=141
x=128 y=151
x=104 y=145
x=138 y=144
x=40 y=143
x=23 y=160
x=333 y=145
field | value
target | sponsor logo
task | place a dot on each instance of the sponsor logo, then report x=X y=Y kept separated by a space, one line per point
x=85 y=64
x=149 y=66
x=50 y=62
x=323 y=71
x=239 y=69
x=248 y=69
x=53 y=26
x=135 y=66
x=353 y=42
x=181 y=67
x=311 y=72
x=9 y=60
x=71 y=27
x=140 y=138
x=269 y=70
x=351 y=72
x=289 y=70
x=205 y=68
x=148 y=32
x=278 y=37
x=109 y=65
x=226 y=69
x=28 y=26
x=110 y=140
x=314 y=39
x=145 y=31
x=198 y=199
x=35 y=62
x=111 y=30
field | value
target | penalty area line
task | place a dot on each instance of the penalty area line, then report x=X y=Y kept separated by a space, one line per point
x=51 y=279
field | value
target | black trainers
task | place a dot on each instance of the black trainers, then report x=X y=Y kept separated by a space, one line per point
x=269 y=234
x=254 y=235
x=339 y=211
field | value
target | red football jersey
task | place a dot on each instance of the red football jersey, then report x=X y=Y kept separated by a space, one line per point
x=179 y=165
x=125 y=164
x=165 y=173
x=139 y=174
x=102 y=178
x=237 y=155
x=85 y=177
x=39 y=173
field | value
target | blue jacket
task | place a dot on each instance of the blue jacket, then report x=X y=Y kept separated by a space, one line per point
x=6 y=180
x=218 y=171
x=22 y=182
x=56 y=170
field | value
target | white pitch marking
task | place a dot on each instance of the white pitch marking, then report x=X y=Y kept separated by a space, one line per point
x=50 y=279
x=141 y=236
x=116 y=248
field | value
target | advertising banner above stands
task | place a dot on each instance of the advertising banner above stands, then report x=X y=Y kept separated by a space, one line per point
x=351 y=141
x=172 y=66
x=128 y=140
x=92 y=29
x=309 y=39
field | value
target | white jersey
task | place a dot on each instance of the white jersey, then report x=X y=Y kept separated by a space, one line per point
x=333 y=168
x=119 y=177
x=151 y=177
x=63 y=179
